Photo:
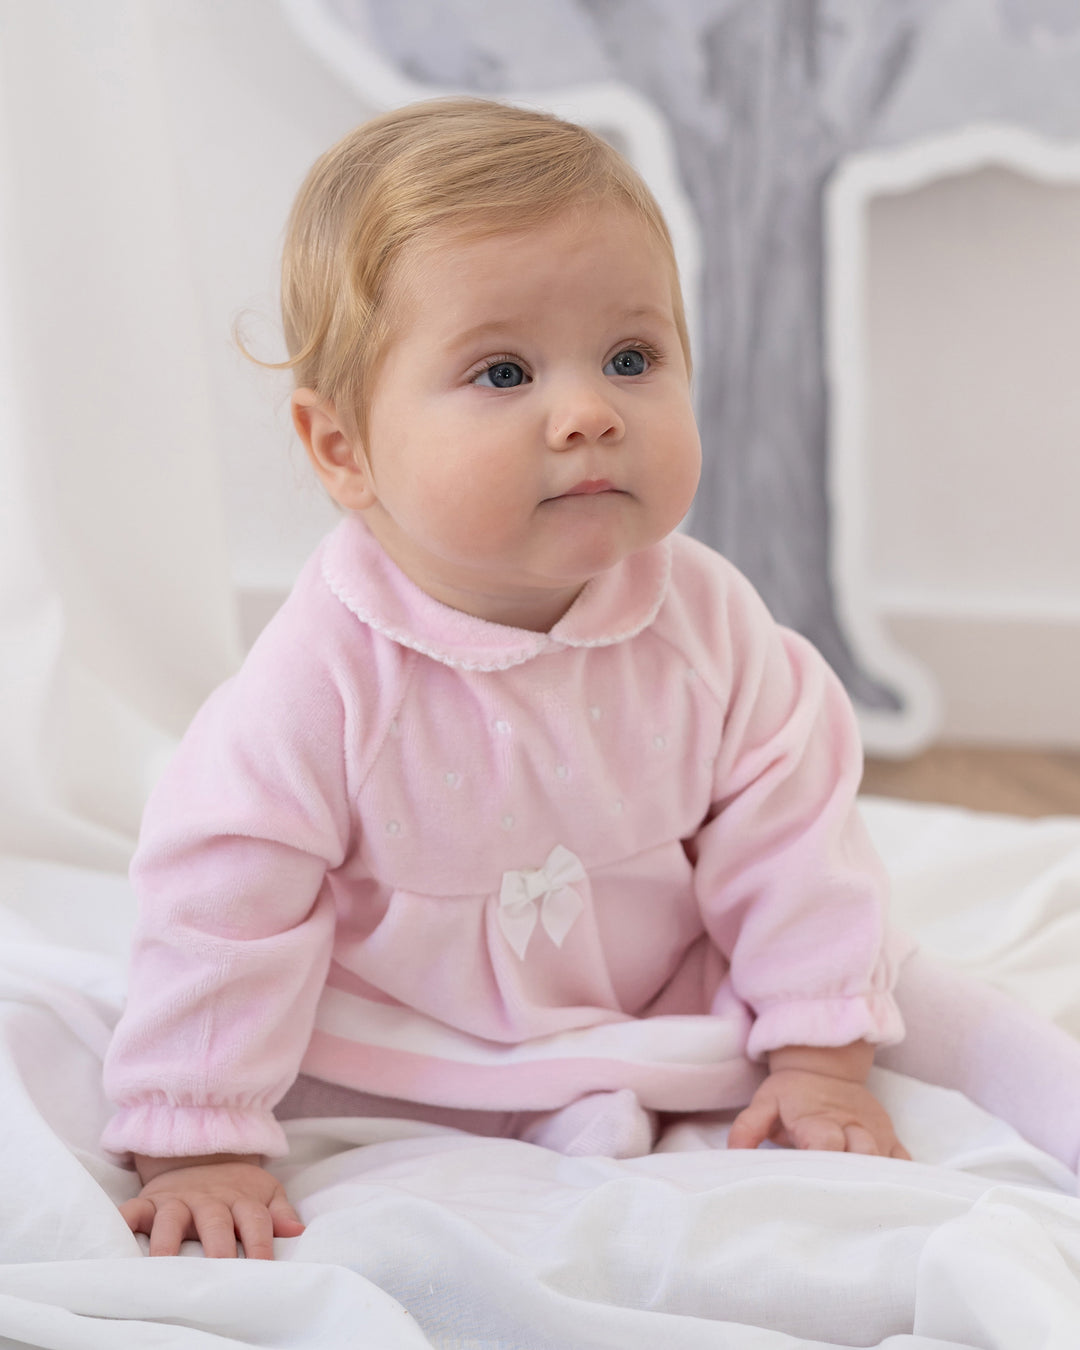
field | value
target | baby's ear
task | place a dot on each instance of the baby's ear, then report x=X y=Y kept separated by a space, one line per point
x=336 y=455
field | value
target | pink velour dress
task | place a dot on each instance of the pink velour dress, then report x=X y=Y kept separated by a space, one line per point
x=421 y=855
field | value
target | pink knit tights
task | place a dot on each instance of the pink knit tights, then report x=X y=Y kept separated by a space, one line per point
x=964 y=1034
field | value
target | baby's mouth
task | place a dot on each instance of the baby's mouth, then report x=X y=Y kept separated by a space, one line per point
x=588 y=487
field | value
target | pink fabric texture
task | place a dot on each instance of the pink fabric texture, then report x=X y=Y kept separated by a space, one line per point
x=430 y=857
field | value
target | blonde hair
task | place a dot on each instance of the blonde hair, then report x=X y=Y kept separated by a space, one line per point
x=472 y=167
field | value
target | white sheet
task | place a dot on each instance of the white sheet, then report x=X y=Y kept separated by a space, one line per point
x=419 y=1236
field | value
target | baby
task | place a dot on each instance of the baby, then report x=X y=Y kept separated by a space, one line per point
x=522 y=815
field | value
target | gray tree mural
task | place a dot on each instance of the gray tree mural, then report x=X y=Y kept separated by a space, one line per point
x=764 y=98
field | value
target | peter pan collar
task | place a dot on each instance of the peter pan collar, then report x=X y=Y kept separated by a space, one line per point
x=613 y=606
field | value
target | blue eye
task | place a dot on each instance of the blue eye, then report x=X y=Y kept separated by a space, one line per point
x=502 y=375
x=628 y=362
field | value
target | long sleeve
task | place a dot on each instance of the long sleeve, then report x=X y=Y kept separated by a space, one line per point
x=790 y=886
x=236 y=921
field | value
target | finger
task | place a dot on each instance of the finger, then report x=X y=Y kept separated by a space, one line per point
x=214 y=1225
x=287 y=1223
x=859 y=1140
x=172 y=1223
x=818 y=1132
x=255 y=1226
x=753 y=1125
x=138 y=1214
x=899 y=1151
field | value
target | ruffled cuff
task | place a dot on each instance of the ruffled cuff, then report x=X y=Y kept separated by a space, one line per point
x=161 y=1130
x=870 y=1017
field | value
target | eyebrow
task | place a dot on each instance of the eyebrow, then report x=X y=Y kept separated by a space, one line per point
x=494 y=328
x=648 y=312
x=490 y=329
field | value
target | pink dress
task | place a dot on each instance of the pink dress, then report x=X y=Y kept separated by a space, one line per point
x=426 y=856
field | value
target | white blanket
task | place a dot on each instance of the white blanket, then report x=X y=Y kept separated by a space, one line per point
x=421 y=1236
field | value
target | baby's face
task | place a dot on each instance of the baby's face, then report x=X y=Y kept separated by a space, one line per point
x=531 y=425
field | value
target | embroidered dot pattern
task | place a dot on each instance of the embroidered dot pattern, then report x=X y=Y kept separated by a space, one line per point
x=453 y=779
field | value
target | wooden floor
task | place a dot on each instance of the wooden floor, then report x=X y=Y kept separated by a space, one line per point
x=1019 y=782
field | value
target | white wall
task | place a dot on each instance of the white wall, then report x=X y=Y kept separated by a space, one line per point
x=973 y=445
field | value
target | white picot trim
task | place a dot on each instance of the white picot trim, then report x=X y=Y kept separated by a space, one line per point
x=639 y=624
x=404 y=639
x=370 y=585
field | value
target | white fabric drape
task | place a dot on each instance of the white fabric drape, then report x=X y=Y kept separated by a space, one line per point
x=116 y=609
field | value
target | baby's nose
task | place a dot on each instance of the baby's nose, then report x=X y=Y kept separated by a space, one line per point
x=583 y=414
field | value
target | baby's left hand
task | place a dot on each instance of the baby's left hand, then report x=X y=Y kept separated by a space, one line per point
x=803 y=1109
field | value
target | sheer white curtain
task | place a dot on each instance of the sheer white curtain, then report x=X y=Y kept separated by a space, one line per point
x=116 y=601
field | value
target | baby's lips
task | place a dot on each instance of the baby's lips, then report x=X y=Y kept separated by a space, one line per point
x=588 y=487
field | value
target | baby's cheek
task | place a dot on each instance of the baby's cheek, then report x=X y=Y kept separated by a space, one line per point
x=475 y=505
x=676 y=477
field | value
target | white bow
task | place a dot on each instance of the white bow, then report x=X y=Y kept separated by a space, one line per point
x=553 y=886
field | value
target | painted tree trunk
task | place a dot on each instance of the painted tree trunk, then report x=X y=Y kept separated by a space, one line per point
x=767 y=125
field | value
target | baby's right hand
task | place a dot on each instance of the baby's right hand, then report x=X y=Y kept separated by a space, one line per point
x=216 y=1202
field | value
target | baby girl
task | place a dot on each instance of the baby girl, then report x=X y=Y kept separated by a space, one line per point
x=522 y=816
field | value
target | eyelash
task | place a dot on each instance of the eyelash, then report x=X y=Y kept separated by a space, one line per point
x=647 y=350
x=646 y=347
x=490 y=362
